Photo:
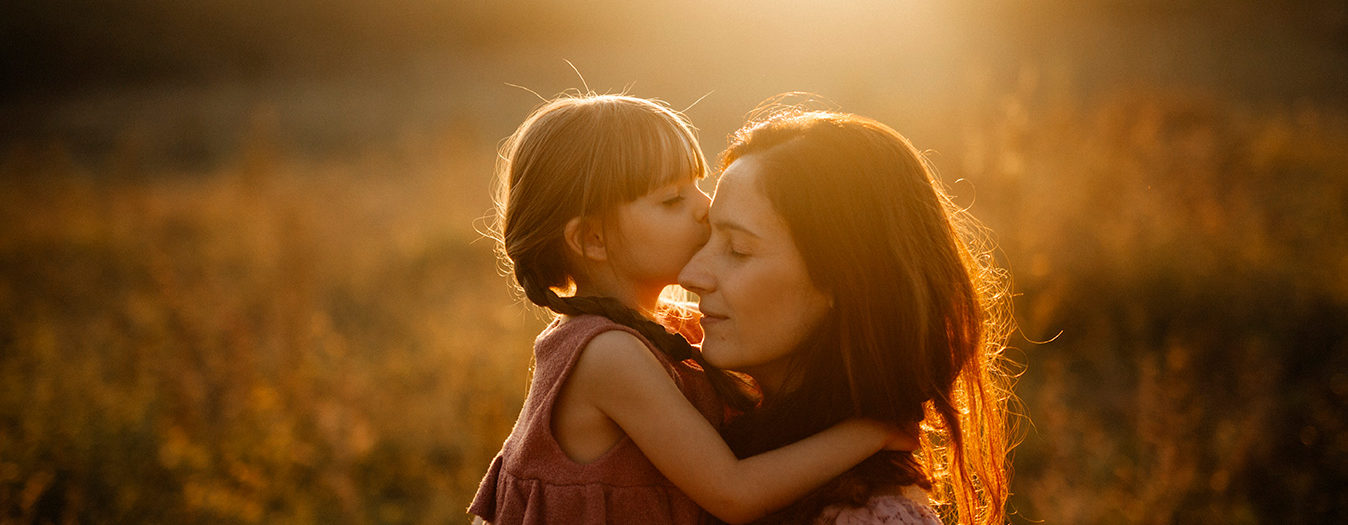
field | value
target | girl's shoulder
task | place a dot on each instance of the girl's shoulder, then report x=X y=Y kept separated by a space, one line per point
x=559 y=347
x=583 y=331
x=577 y=331
x=570 y=338
x=903 y=506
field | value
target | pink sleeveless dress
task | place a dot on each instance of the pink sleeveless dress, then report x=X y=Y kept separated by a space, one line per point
x=531 y=481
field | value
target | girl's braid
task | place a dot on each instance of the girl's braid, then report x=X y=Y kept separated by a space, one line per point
x=734 y=390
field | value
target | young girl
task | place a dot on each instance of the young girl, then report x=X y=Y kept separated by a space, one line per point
x=598 y=213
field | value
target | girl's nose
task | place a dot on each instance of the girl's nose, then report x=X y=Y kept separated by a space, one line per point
x=702 y=208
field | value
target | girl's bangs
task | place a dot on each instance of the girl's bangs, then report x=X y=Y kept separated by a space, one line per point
x=658 y=154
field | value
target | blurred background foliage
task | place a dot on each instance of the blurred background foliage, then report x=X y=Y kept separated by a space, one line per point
x=240 y=280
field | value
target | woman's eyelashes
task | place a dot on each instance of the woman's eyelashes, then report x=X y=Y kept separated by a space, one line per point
x=735 y=251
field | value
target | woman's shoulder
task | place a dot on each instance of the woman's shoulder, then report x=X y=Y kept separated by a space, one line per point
x=902 y=506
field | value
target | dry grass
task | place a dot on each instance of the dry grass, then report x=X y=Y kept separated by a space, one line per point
x=272 y=342
x=290 y=339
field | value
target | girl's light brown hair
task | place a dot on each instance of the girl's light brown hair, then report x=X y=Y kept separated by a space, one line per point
x=582 y=156
x=919 y=320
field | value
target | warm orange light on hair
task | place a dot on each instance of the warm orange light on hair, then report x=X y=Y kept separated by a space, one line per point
x=920 y=316
x=582 y=156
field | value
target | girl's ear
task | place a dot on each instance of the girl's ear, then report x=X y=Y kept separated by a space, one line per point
x=585 y=239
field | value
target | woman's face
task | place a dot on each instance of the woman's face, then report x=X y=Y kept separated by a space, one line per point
x=756 y=296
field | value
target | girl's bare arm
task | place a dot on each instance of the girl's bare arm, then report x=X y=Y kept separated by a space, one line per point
x=618 y=375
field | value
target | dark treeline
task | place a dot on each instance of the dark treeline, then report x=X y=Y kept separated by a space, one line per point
x=1279 y=49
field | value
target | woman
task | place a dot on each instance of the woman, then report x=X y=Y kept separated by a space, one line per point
x=844 y=281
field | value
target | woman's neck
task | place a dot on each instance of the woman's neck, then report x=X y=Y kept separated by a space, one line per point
x=773 y=378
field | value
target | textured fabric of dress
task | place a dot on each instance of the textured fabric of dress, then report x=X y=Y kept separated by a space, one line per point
x=911 y=507
x=531 y=481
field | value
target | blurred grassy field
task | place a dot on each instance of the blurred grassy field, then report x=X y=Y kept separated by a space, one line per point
x=268 y=342
x=236 y=288
x=284 y=338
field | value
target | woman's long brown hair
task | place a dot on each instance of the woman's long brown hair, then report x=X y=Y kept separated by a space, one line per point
x=582 y=156
x=919 y=322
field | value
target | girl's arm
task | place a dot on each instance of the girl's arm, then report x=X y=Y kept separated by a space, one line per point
x=617 y=374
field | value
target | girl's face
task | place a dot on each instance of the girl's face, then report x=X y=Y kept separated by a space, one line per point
x=756 y=296
x=658 y=232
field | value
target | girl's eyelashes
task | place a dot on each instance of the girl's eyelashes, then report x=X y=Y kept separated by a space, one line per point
x=673 y=198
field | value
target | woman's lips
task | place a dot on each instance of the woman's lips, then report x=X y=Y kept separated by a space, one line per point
x=709 y=320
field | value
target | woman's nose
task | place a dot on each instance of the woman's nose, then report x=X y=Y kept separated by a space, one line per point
x=694 y=276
